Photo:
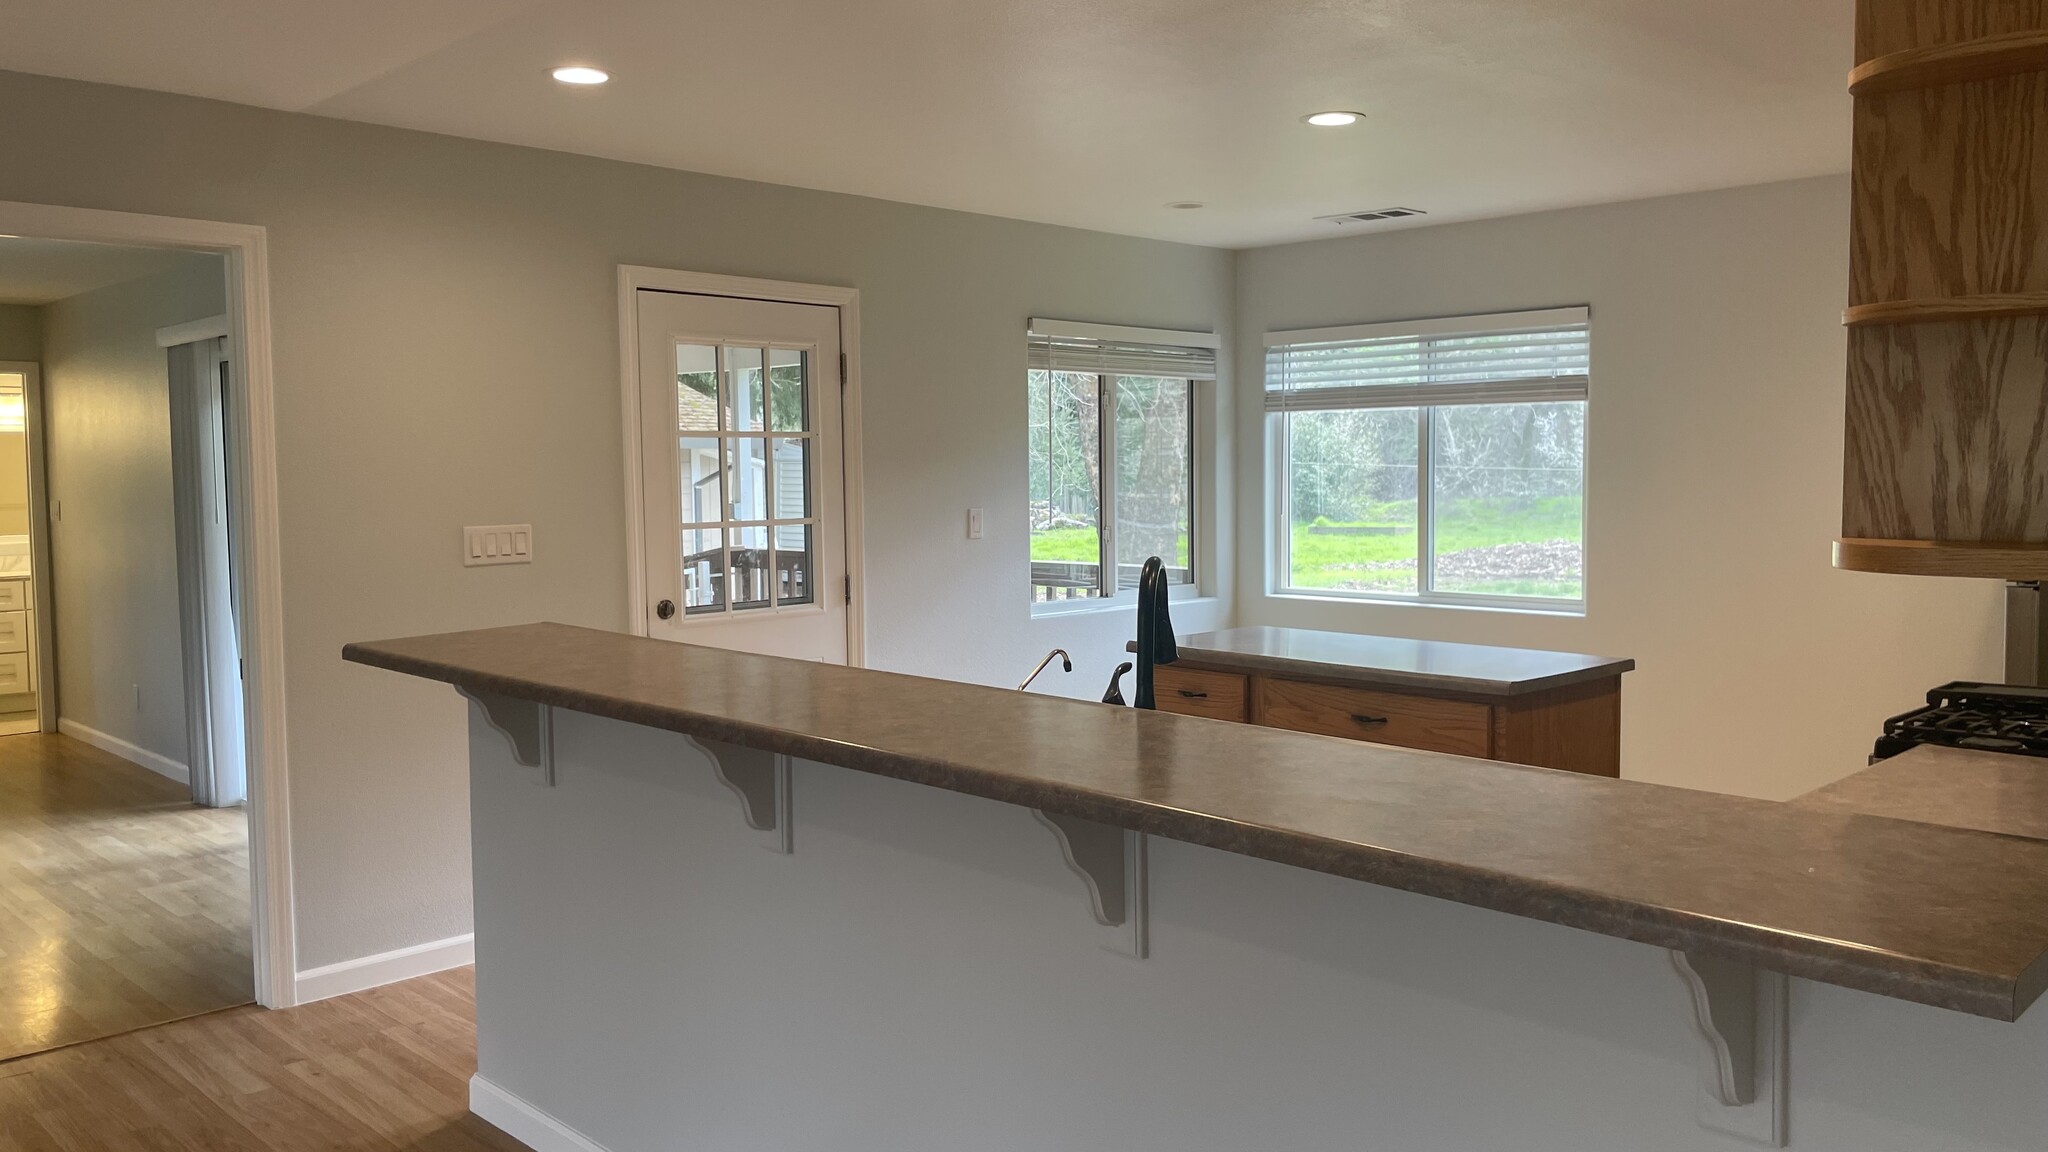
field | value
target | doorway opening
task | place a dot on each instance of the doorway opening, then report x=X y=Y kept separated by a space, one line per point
x=126 y=896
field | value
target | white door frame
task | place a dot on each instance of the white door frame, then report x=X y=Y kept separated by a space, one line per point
x=38 y=539
x=633 y=278
x=252 y=439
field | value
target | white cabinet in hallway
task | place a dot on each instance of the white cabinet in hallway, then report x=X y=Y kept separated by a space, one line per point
x=17 y=641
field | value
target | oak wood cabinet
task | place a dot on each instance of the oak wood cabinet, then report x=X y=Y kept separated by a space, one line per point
x=1550 y=709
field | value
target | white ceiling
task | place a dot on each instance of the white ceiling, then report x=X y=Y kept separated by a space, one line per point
x=39 y=271
x=1094 y=113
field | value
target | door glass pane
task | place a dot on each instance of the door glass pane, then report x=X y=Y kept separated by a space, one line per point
x=1154 y=477
x=1066 y=495
x=696 y=388
x=789 y=389
x=1509 y=499
x=702 y=494
x=747 y=397
x=750 y=573
x=703 y=570
x=794 y=574
x=1351 y=488
x=747 y=477
x=792 y=478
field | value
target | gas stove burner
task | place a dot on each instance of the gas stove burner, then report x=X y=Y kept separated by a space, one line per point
x=1966 y=714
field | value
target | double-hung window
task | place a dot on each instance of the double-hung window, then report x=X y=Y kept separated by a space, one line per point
x=1436 y=460
x=1112 y=434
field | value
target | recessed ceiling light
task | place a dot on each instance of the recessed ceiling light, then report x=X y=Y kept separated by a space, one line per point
x=1186 y=205
x=1333 y=119
x=580 y=75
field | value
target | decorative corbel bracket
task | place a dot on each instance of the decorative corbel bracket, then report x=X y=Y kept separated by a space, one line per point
x=762 y=782
x=1739 y=1013
x=527 y=725
x=1111 y=862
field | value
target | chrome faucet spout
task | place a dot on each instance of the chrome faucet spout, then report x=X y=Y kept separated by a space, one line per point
x=1066 y=665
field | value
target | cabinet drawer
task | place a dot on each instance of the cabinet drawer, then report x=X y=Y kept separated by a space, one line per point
x=13 y=631
x=13 y=595
x=1193 y=692
x=14 y=673
x=1381 y=717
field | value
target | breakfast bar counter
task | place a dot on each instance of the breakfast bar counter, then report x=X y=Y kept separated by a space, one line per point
x=910 y=940
x=1784 y=886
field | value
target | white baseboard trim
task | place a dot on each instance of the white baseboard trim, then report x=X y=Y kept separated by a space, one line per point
x=524 y=1122
x=161 y=765
x=366 y=972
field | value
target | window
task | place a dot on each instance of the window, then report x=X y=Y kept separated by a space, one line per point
x=744 y=459
x=1112 y=418
x=1438 y=461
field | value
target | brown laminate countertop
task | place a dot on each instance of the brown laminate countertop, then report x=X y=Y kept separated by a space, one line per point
x=1943 y=916
x=1392 y=662
x=1957 y=787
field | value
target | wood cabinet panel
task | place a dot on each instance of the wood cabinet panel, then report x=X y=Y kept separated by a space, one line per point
x=1887 y=26
x=1942 y=440
x=1948 y=277
x=1425 y=722
x=1199 y=692
x=1577 y=729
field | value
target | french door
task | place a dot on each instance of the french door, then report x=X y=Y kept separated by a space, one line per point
x=742 y=474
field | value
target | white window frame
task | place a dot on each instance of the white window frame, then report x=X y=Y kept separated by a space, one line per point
x=1279 y=518
x=1124 y=598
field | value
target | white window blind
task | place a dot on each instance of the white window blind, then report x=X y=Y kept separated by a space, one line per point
x=1514 y=357
x=1067 y=346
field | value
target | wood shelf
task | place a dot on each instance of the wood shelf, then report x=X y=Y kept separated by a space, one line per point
x=1985 y=59
x=1988 y=561
x=1993 y=306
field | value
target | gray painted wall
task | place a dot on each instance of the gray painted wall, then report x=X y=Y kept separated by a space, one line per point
x=1714 y=473
x=446 y=353
x=21 y=332
x=114 y=562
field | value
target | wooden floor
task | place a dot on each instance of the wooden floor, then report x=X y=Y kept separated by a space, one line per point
x=379 y=1071
x=121 y=904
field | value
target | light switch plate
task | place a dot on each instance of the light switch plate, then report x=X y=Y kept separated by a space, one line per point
x=497 y=544
x=974 y=523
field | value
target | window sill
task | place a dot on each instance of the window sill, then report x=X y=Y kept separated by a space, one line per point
x=1571 y=610
x=1128 y=603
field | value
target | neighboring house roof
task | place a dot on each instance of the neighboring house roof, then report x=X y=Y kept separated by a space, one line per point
x=695 y=411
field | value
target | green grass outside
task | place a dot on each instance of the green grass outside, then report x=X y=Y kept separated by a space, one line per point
x=1321 y=561
x=1080 y=546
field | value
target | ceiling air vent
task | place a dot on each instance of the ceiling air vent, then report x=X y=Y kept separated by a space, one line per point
x=1372 y=216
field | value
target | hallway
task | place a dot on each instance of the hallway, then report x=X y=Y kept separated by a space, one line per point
x=121 y=904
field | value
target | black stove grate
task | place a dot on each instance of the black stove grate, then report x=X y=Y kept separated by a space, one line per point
x=1966 y=714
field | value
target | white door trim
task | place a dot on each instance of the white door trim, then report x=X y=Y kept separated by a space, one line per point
x=39 y=538
x=253 y=435
x=192 y=331
x=633 y=278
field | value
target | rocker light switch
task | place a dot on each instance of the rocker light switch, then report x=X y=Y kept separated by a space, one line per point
x=497 y=544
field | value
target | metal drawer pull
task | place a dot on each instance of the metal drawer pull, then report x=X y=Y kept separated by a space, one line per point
x=1193 y=695
x=1368 y=719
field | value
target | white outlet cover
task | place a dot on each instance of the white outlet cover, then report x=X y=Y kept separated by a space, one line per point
x=485 y=544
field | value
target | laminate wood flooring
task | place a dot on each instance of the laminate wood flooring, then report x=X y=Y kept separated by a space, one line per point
x=122 y=904
x=380 y=1071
